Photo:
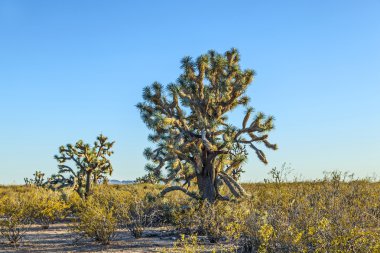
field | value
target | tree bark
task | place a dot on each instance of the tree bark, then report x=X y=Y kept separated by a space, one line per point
x=206 y=188
x=88 y=183
x=179 y=188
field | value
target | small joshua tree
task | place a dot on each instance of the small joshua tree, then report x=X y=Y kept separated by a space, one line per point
x=39 y=179
x=149 y=178
x=195 y=143
x=92 y=164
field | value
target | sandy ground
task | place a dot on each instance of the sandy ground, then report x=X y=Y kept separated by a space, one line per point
x=59 y=238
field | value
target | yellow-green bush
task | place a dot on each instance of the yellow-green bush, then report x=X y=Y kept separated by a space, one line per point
x=97 y=222
x=221 y=220
x=323 y=216
x=46 y=206
x=102 y=213
x=15 y=216
x=330 y=215
x=72 y=200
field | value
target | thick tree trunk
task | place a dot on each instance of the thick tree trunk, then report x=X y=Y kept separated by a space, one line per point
x=206 y=188
x=206 y=184
x=88 y=183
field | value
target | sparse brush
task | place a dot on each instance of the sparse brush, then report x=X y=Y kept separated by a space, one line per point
x=96 y=222
x=141 y=214
x=336 y=214
x=15 y=217
x=47 y=206
x=218 y=221
x=102 y=213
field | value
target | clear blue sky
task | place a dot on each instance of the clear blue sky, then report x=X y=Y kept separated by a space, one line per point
x=70 y=70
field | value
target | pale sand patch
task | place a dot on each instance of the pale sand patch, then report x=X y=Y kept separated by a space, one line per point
x=59 y=238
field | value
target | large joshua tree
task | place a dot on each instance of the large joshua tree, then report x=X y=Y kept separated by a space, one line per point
x=92 y=163
x=195 y=142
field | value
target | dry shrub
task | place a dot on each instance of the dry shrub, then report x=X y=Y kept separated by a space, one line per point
x=332 y=215
x=218 y=221
x=15 y=217
x=46 y=206
x=102 y=213
x=72 y=200
x=97 y=222
x=142 y=213
x=336 y=214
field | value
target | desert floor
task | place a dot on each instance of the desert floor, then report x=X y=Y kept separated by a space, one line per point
x=59 y=238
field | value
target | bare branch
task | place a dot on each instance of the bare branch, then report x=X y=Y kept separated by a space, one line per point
x=232 y=181
x=179 y=188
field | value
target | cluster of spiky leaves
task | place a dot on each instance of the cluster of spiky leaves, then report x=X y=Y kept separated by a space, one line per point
x=190 y=126
x=93 y=160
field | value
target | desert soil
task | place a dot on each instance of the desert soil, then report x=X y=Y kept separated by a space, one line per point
x=59 y=238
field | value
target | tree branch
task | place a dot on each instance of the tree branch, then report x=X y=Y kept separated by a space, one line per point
x=236 y=186
x=179 y=188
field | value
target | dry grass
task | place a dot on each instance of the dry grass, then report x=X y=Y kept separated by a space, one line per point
x=330 y=215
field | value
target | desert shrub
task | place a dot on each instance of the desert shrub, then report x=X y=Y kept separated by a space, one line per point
x=118 y=201
x=15 y=217
x=138 y=218
x=131 y=208
x=142 y=213
x=221 y=220
x=184 y=218
x=97 y=222
x=46 y=206
x=188 y=244
x=194 y=244
x=165 y=212
x=332 y=215
x=336 y=214
x=72 y=200
x=102 y=213
x=164 y=209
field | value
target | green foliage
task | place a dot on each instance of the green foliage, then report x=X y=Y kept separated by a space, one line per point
x=194 y=140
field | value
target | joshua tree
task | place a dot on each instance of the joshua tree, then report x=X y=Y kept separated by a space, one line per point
x=92 y=164
x=75 y=179
x=149 y=178
x=39 y=179
x=195 y=143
